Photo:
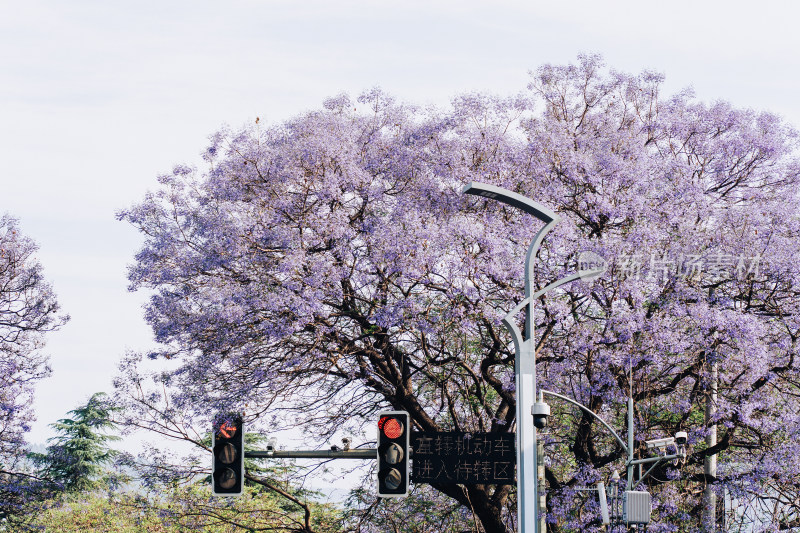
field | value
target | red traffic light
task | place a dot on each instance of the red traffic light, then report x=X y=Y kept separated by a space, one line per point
x=394 y=430
x=227 y=430
x=227 y=447
x=390 y=426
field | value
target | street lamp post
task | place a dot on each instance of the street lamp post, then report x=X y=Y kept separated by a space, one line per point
x=525 y=355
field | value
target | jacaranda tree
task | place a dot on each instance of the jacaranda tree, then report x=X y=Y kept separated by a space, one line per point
x=28 y=310
x=325 y=268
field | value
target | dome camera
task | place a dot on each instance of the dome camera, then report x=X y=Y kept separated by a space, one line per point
x=681 y=437
x=540 y=411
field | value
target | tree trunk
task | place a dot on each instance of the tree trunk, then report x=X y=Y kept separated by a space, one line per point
x=710 y=462
x=477 y=498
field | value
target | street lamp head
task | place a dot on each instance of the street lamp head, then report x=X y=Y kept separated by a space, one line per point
x=513 y=199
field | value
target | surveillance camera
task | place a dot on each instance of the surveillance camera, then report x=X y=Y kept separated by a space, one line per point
x=346 y=441
x=660 y=443
x=540 y=411
x=681 y=437
x=271 y=444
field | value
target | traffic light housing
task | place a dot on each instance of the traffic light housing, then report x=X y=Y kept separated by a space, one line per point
x=227 y=444
x=394 y=433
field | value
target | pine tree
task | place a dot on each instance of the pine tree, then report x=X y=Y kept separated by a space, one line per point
x=76 y=458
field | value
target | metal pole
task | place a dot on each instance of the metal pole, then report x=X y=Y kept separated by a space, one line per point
x=629 y=482
x=525 y=370
x=526 y=397
x=540 y=482
x=526 y=442
x=368 y=453
x=710 y=462
x=615 y=518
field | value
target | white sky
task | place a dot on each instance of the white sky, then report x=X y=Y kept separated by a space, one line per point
x=97 y=98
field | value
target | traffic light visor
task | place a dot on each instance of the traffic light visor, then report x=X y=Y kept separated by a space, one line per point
x=226 y=479
x=227 y=453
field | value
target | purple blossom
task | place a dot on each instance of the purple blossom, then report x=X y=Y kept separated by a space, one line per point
x=330 y=265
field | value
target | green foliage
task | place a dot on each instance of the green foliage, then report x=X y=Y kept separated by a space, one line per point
x=425 y=510
x=183 y=509
x=76 y=458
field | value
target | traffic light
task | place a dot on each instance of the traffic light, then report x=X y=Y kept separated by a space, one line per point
x=227 y=444
x=393 y=440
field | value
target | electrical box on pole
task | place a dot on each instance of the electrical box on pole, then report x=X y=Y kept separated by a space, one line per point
x=394 y=433
x=636 y=507
x=227 y=444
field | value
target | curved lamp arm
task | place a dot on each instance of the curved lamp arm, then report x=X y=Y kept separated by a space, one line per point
x=540 y=212
x=508 y=320
x=589 y=411
x=564 y=281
